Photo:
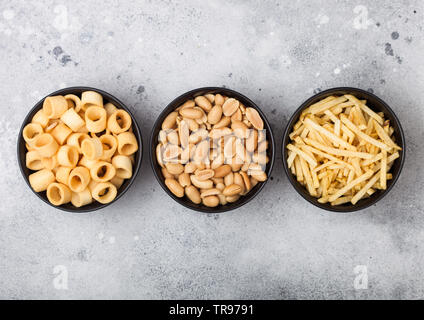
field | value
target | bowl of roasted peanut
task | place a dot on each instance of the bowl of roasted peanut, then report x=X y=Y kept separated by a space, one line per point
x=343 y=149
x=212 y=149
x=79 y=149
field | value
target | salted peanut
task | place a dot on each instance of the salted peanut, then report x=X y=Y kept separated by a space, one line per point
x=210 y=97
x=240 y=129
x=170 y=120
x=247 y=122
x=203 y=119
x=206 y=184
x=222 y=199
x=263 y=146
x=260 y=158
x=258 y=175
x=175 y=187
x=163 y=136
x=261 y=135
x=204 y=174
x=220 y=132
x=238 y=180
x=230 y=106
x=236 y=164
x=184 y=179
x=193 y=194
x=242 y=109
x=255 y=119
x=184 y=133
x=211 y=201
x=174 y=168
x=232 y=190
x=222 y=171
x=171 y=153
x=229 y=179
x=220 y=186
x=166 y=174
x=246 y=181
x=230 y=147
x=217 y=180
x=215 y=114
x=201 y=152
x=187 y=104
x=203 y=103
x=232 y=199
x=237 y=116
x=225 y=121
x=191 y=113
x=192 y=125
x=241 y=151
x=190 y=167
x=219 y=99
x=252 y=141
x=217 y=162
x=198 y=136
x=173 y=138
x=209 y=192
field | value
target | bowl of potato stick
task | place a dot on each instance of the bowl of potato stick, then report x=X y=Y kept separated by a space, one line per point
x=343 y=149
x=212 y=149
x=79 y=149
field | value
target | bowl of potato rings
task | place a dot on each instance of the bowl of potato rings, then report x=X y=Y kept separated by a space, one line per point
x=343 y=149
x=79 y=149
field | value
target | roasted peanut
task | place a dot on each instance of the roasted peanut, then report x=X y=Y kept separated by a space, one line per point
x=174 y=168
x=175 y=187
x=230 y=106
x=184 y=179
x=211 y=201
x=222 y=171
x=193 y=194
x=169 y=121
x=255 y=119
x=215 y=114
x=210 y=192
x=232 y=190
x=203 y=103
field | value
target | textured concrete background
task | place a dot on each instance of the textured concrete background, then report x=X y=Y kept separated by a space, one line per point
x=276 y=52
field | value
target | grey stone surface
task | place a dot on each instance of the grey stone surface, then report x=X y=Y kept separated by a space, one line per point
x=146 y=53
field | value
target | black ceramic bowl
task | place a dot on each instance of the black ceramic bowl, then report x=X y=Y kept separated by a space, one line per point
x=377 y=105
x=154 y=141
x=95 y=205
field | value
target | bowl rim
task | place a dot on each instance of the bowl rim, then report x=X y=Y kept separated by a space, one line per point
x=136 y=166
x=300 y=189
x=155 y=167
